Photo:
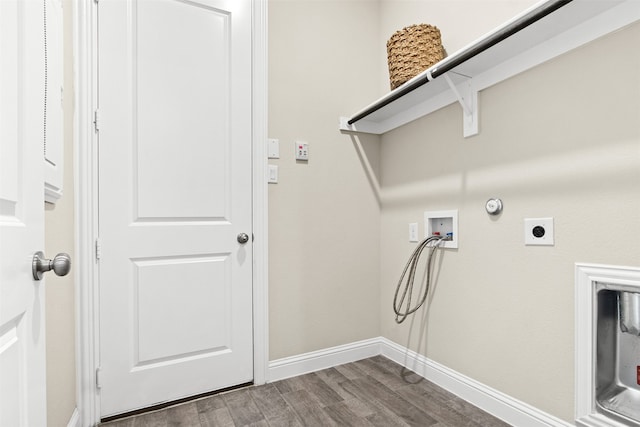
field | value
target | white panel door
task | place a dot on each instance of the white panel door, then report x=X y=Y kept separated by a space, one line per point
x=22 y=334
x=174 y=193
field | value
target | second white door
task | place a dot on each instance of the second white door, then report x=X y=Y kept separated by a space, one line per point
x=174 y=194
x=23 y=397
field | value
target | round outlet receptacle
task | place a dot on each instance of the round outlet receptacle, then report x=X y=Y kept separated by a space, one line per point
x=538 y=231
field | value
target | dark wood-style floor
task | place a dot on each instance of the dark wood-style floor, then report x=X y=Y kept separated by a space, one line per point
x=370 y=392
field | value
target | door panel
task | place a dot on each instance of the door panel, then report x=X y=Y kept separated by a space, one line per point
x=12 y=370
x=181 y=92
x=177 y=280
x=22 y=350
x=175 y=190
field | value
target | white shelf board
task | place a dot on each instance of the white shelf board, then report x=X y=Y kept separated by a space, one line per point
x=567 y=28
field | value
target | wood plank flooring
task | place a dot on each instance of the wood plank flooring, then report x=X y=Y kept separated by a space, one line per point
x=370 y=392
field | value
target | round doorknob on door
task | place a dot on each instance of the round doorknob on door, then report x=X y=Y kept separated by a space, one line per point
x=60 y=264
x=243 y=238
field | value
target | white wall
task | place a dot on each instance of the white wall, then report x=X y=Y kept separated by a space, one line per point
x=326 y=59
x=324 y=219
x=555 y=141
x=59 y=237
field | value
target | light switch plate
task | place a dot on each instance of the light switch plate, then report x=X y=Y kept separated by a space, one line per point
x=413 y=232
x=273 y=148
x=273 y=174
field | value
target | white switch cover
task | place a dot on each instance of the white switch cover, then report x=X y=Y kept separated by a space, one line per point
x=273 y=174
x=273 y=148
x=413 y=232
x=538 y=231
x=302 y=150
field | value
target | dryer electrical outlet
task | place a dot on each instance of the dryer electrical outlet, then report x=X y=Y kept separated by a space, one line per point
x=538 y=231
x=442 y=223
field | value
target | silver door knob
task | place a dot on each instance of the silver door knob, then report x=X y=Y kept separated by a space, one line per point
x=243 y=238
x=60 y=264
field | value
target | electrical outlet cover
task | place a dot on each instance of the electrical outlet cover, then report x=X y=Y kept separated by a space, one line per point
x=302 y=150
x=538 y=231
x=273 y=174
x=413 y=232
x=273 y=148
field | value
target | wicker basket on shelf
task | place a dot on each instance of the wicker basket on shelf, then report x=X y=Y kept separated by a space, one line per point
x=412 y=50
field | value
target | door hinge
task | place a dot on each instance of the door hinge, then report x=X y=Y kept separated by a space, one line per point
x=96 y=120
x=98 y=249
x=98 y=377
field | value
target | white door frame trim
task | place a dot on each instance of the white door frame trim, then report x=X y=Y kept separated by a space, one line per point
x=86 y=212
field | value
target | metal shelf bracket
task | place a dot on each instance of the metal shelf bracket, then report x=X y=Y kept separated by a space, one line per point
x=467 y=96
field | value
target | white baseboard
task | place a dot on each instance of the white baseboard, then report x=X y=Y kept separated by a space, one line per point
x=322 y=359
x=498 y=404
x=74 y=421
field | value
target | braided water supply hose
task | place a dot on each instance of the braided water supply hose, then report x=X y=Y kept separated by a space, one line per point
x=433 y=243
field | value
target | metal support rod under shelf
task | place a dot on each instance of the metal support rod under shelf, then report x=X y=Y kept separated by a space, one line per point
x=460 y=57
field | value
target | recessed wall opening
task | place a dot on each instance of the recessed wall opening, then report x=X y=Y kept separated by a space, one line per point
x=618 y=353
x=607 y=346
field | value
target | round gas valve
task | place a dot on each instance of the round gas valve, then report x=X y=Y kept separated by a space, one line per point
x=493 y=206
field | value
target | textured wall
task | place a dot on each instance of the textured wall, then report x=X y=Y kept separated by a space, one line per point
x=326 y=59
x=324 y=220
x=554 y=141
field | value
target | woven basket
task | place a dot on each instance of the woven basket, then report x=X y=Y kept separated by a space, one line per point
x=412 y=50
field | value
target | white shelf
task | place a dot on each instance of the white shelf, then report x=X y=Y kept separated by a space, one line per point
x=460 y=76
